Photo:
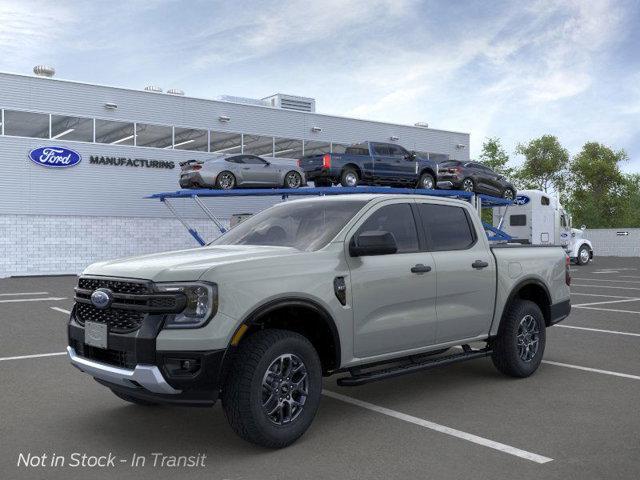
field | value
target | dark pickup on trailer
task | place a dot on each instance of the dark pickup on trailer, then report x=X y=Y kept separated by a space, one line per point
x=371 y=163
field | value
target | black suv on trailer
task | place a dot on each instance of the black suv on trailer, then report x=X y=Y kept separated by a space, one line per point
x=474 y=177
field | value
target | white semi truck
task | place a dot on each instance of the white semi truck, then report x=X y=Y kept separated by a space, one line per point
x=537 y=218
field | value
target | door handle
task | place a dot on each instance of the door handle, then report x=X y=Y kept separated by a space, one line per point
x=420 y=268
x=246 y=168
x=478 y=264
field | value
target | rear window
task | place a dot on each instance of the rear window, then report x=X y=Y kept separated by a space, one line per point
x=448 y=228
x=360 y=149
x=517 y=220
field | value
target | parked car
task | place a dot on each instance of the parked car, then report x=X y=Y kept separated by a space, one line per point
x=474 y=177
x=231 y=171
x=371 y=163
x=371 y=286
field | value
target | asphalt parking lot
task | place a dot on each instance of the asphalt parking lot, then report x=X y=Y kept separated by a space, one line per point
x=577 y=417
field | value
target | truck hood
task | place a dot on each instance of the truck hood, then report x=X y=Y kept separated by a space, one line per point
x=184 y=265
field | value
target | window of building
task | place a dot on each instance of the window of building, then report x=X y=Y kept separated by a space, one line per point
x=517 y=220
x=287 y=148
x=114 y=133
x=26 y=124
x=258 y=145
x=191 y=139
x=316 y=148
x=398 y=220
x=447 y=227
x=72 y=128
x=225 y=142
x=157 y=136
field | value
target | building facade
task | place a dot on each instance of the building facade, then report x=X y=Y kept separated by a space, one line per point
x=129 y=144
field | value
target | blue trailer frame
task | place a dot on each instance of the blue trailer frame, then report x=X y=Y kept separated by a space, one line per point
x=479 y=201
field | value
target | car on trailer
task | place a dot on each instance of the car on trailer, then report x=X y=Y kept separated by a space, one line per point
x=474 y=177
x=226 y=172
x=370 y=286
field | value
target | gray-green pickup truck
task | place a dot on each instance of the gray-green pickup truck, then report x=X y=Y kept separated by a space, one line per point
x=367 y=286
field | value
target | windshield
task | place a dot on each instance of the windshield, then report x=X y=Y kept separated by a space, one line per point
x=305 y=226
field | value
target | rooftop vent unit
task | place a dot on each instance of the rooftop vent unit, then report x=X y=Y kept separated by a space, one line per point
x=44 y=71
x=175 y=91
x=422 y=124
x=244 y=100
x=153 y=88
x=291 y=102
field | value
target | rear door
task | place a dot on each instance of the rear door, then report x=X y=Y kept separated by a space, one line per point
x=466 y=271
x=394 y=308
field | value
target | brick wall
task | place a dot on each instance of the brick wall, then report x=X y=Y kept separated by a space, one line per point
x=44 y=245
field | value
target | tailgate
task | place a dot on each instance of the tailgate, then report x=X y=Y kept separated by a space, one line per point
x=312 y=163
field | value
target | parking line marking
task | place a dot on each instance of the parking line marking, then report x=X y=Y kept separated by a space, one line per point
x=606 y=309
x=598 y=295
x=606 y=301
x=22 y=293
x=608 y=286
x=440 y=428
x=61 y=310
x=603 y=280
x=22 y=357
x=595 y=370
x=599 y=330
x=16 y=300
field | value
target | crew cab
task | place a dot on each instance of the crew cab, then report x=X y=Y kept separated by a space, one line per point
x=366 y=286
x=371 y=163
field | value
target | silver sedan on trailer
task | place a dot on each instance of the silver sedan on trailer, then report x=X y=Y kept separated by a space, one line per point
x=240 y=170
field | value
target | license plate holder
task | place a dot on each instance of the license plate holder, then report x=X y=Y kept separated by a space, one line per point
x=96 y=334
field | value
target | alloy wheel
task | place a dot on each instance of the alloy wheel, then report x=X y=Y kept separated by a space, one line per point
x=508 y=194
x=226 y=181
x=351 y=179
x=285 y=387
x=467 y=185
x=293 y=180
x=427 y=183
x=528 y=338
x=584 y=255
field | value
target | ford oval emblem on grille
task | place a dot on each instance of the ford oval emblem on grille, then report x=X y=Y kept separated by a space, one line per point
x=56 y=157
x=102 y=298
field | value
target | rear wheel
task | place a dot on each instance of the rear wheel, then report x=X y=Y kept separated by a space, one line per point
x=349 y=178
x=130 y=399
x=225 y=181
x=519 y=346
x=584 y=255
x=426 y=181
x=292 y=179
x=468 y=185
x=273 y=390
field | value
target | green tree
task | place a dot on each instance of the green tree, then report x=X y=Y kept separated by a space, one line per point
x=631 y=197
x=599 y=191
x=495 y=157
x=545 y=164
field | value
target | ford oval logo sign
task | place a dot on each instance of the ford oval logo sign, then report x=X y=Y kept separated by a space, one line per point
x=56 y=157
x=521 y=200
x=102 y=298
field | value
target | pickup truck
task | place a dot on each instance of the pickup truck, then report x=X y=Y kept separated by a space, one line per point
x=371 y=163
x=368 y=286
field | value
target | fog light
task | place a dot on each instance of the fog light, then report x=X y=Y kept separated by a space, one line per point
x=181 y=367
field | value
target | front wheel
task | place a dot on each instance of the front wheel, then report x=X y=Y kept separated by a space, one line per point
x=519 y=346
x=426 y=181
x=468 y=185
x=292 y=180
x=273 y=390
x=583 y=255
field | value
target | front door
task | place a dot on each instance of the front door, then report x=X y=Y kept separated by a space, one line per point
x=257 y=171
x=394 y=296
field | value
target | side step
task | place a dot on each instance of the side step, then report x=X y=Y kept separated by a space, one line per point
x=360 y=378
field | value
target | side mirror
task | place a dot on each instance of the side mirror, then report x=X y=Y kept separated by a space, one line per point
x=410 y=156
x=583 y=227
x=373 y=243
x=267 y=164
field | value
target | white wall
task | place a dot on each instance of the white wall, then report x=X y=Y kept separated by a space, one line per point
x=607 y=242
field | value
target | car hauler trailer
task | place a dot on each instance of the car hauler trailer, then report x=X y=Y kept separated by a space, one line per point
x=537 y=218
x=479 y=201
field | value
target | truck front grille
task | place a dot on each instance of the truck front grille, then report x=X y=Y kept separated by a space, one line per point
x=118 y=320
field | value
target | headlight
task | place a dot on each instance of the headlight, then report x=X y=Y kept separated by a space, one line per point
x=201 y=304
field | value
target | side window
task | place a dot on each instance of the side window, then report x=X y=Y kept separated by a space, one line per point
x=398 y=220
x=396 y=151
x=235 y=160
x=381 y=149
x=517 y=220
x=544 y=200
x=253 y=160
x=448 y=228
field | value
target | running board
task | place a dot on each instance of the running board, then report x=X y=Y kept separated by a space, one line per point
x=411 y=366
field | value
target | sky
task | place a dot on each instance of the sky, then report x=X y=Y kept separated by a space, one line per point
x=514 y=70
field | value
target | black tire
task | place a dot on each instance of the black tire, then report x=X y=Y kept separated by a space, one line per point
x=244 y=391
x=346 y=177
x=296 y=184
x=130 y=399
x=581 y=253
x=468 y=185
x=322 y=182
x=509 y=194
x=221 y=180
x=507 y=356
x=427 y=178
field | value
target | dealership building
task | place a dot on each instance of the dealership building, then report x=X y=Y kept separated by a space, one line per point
x=127 y=144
